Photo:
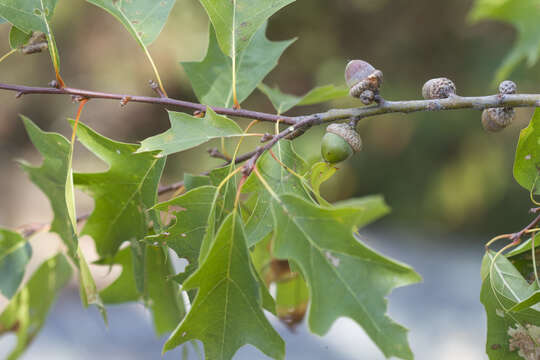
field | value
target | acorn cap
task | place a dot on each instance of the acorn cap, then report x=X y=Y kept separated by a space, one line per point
x=356 y=71
x=348 y=134
x=361 y=76
x=507 y=87
x=496 y=119
x=438 y=88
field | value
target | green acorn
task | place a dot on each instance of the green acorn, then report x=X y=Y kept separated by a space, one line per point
x=339 y=143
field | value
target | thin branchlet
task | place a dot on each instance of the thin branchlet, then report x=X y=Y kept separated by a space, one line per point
x=298 y=125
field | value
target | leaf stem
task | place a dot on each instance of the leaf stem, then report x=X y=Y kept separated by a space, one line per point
x=156 y=73
x=6 y=55
x=79 y=112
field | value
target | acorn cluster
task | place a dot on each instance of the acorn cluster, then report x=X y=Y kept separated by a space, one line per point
x=496 y=119
x=364 y=81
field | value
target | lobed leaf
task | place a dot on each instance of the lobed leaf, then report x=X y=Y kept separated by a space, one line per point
x=32 y=15
x=212 y=78
x=18 y=38
x=527 y=160
x=344 y=276
x=284 y=102
x=321 y=172
x=143 y=19
x=161 y=294
x=54 y=178
x=28 y=309
x=123 y=194
x=510 y=329
x=15 y=253
x=525 y=246
x=186 y=233
x=227 y=313
x=194 y=181
x=260 y=221
x=236 y=21
x=523 y=14
x=189 y=131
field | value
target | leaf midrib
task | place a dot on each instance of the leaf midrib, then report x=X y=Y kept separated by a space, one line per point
x=338 y=275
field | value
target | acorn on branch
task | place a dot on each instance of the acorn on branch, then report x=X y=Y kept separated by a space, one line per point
x=496 y=119
x=439 y=88
x=363 y=80
x=339 y=143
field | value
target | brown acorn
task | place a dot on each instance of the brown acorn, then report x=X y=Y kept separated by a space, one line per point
x=439 y=88
x=363 y=80
x=496 y=119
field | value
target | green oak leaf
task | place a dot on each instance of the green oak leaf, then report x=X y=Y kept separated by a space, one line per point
x=32 y=15
x=123 y=194
x=54 y=178
x=345 y=277
x=529 y=302
x=523 y=14
x=227 y=313
x=186 y=233
x=222 y=205
x=28 y=309
x=502 y=288
x=162 y=295
x=525 y=246
x=236 y=21
x=260 y=222
x=194 y=181
x=284 y=102
x=189 y=131
x=15 y=252
x=18 y=38
x=527 y=159
x=143 y=19
x=211 y=78
x=321 y=172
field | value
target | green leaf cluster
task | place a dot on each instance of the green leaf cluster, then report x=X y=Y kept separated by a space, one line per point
x=240 y=233
x=523 y=14
x=513 y=316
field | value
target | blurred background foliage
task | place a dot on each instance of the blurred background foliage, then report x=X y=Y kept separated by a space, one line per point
x=439 y=171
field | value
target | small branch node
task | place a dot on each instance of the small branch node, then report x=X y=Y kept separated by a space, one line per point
x=54 y=84
x=79 y=98
x=19 y=94
x=199 y=114
x=266 y=137
x=125 y=100
x=215 y=153
x=155 y=86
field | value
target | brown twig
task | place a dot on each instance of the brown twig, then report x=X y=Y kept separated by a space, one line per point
x=215 y=153
x=382 y=107
x=516 y=237
x=165 y=101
